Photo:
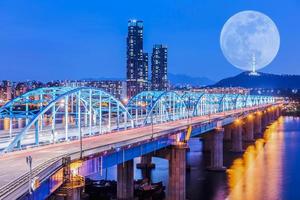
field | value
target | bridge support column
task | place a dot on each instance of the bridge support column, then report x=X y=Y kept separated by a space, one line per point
x=249 y=136
x=227 y=133
x=278 y=112
x=237 y=143
x=276 y=116
x=146 y=166
x=271 y=115
x=125 y=181
x=177 y=172
x=146 y=162
x=257 y=124
x=216 y=154
x=264 y=120
x=206 y=142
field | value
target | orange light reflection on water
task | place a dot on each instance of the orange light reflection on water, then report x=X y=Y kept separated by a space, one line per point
x=258 y=174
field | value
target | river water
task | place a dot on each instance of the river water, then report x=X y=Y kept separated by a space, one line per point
x=268 y=169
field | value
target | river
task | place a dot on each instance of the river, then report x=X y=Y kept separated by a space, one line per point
x=268 y=169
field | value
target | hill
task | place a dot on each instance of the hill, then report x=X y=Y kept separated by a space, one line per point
x=181 y=79
x=263 y=80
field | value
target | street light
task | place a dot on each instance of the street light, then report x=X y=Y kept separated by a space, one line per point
x=152 y=128
x=188 y=108
x=80 y=139
x=29 y=163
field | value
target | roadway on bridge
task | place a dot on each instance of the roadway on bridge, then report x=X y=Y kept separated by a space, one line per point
x=13 y=164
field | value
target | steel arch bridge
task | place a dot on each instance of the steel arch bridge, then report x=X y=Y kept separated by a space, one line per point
x=56 y=114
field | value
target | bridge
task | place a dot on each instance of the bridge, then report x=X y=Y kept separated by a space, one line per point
x=62 y=125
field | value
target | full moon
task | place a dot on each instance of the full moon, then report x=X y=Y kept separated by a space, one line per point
x=250 y=40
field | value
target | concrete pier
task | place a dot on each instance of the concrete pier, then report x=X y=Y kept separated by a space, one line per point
x=216 y=153
x=264 y=120
x=146 y=162
x=249 y=129
x=125 y=184
x=177 y=172
x=206 y=142
x=146 y=166
x=271 y=115
x=237 y=143
x=257 y=124
x=278 y=112
x=227 y=133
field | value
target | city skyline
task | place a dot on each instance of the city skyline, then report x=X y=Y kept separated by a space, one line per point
x=89 y=41
x=160 y=99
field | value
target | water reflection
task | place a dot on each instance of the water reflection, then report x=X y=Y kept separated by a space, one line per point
x=258 y=174
x=269 y=169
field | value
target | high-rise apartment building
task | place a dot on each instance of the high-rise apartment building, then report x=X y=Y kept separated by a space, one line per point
x=137 y=60
x=159 y=68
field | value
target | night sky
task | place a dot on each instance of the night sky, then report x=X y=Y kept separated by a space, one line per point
x=56 y=39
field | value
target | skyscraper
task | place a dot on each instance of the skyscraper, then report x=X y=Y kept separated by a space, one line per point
x=159 y=67
x=137 y=60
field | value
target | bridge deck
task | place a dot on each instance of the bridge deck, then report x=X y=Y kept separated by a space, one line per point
x=13 y=165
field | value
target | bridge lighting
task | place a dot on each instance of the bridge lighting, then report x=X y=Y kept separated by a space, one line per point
x=237 y=121
x=62 y=102
x=178 y=138
x=125 y=100
x=74 y=167
x=250 y=116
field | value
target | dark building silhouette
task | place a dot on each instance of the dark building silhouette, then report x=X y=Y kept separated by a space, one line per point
x=159 y=68
x=137 y=60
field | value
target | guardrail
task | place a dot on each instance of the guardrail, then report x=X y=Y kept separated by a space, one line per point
x=18 y=186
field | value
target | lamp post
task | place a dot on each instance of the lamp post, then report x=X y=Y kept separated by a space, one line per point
x=188 y=108
x=80 y=139
x=29 y=163
x=152 y=128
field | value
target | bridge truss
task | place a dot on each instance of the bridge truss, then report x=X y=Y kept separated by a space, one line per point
x=56 y=114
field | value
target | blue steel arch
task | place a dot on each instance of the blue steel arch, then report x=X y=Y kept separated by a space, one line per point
x=191 y=99
x=240 y=101
x=156 y=106
x=209 y=103
x=172 y=104
x=140 y=104
x=107 y=105
x=31 y=97
x=228 y=102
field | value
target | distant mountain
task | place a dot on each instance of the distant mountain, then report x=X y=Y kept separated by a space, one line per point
x=181 y=79
x=263 y=80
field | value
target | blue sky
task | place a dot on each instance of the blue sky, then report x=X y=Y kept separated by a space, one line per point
x=47 y=39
